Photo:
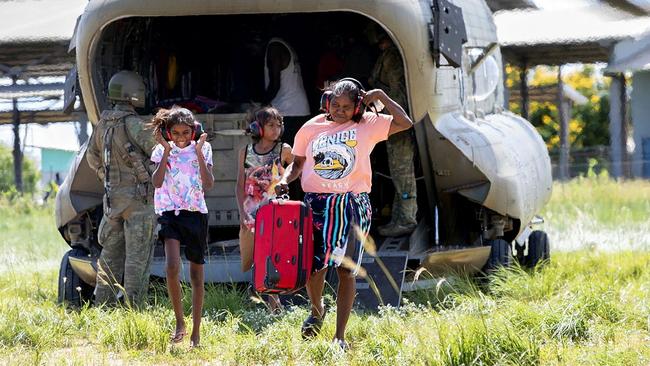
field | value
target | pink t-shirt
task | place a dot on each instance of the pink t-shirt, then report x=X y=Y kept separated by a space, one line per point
x=182 y=188
x=338 y=154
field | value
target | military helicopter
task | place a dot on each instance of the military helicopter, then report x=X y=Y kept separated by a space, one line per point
x=483 y=172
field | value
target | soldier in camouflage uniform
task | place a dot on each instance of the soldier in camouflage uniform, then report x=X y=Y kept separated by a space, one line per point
x=119 y=151
x=388 y=75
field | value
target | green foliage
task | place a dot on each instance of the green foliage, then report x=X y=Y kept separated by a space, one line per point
x=598 y=200
x=29 y=234
x=589 y=123
x=30 y=174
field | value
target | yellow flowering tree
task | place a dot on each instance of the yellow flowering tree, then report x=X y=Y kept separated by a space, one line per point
x=589 y=122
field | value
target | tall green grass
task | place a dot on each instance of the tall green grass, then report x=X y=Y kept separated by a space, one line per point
x=30 y=239
x=603 y=201
x=587 y=307
x=599 y=212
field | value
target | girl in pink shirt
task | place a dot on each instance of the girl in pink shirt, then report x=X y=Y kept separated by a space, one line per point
x=332 y=158
x=183 y=173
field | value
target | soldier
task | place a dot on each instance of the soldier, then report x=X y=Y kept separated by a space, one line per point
x=119 y=151
x=388 y=75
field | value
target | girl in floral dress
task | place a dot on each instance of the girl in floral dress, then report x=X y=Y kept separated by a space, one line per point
x=183 y=173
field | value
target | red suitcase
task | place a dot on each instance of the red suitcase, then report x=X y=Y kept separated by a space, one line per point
x=284 y=247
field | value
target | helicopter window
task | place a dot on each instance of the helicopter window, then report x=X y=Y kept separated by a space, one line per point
x=485 y=73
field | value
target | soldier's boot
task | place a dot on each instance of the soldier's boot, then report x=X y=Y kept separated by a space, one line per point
x=139 y=233
x=404 y=216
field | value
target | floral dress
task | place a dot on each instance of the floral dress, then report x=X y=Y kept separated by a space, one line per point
x=262 y=173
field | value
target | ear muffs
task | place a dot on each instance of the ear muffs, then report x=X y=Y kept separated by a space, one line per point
x=256 y=130
x=325 y=101
x=326 y=98
x=165 y=134
x=197 y=131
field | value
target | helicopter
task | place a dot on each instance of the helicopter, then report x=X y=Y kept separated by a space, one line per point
x=483 y=173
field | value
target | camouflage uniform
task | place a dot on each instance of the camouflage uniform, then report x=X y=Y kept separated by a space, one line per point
x=388 y=75
x=119 y=152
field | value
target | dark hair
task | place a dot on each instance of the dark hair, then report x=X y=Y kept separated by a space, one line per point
x=263 y=116
x=350 y=89
x=167 y=118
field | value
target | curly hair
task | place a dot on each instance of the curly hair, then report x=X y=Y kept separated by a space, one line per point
x=168 y=118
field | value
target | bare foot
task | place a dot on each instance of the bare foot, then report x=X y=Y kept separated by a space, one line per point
x=179 y=334
x=195 y=340
x=274 y=304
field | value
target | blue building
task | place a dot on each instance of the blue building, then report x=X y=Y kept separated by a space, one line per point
x=55 y=161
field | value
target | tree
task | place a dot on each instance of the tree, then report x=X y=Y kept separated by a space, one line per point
x=589 y=124
x=30 y=174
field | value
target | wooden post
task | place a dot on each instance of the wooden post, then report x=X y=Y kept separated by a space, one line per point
x=506 y=90
x=564 y=109
x=82 y=134
x=616 y=126
x=625 y=126
x=523 y=84
x=17 y=151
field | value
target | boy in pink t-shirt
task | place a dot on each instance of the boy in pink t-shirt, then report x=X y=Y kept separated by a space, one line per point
x=332 y=157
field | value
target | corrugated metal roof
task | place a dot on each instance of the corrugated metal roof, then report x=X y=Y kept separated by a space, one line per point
x=631 y=55
x=38 y=21
x=638 y=7
x=561 y=26
x=558 y=36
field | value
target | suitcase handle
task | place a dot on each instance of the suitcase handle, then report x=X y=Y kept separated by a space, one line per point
x=272 y=275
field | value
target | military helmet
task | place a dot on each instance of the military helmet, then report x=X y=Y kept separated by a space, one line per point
x=127 y=86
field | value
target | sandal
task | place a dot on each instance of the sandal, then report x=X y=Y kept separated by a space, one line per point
x=178 y=336
x=311 y=326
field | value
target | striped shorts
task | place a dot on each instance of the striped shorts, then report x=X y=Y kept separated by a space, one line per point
x=335 y=215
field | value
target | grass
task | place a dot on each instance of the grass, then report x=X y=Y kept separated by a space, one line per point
x=599 y=212
x=30 y=238
x=587 y=307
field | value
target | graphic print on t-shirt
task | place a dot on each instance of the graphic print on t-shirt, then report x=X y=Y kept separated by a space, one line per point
x=334 y=155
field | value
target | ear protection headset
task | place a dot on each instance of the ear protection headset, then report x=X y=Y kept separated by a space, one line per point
x=256 y=130
x=326 y=98
x=197 y=131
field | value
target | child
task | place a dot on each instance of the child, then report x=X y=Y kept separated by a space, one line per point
x=183 y=173
x=261 y=164
x=332 y=156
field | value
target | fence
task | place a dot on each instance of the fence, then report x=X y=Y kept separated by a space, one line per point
x=598 y=159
